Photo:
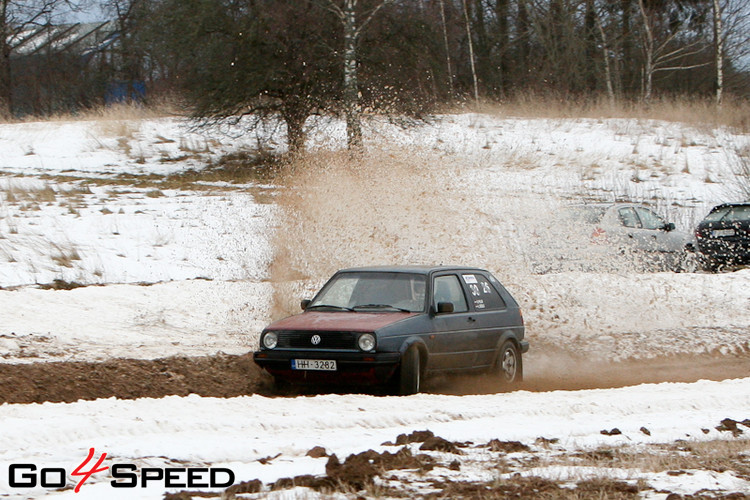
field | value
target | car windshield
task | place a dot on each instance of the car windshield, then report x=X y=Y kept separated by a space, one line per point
x=373 y=291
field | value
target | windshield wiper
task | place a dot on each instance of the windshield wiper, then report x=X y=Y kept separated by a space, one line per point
x=331 y=306
x=380 y=306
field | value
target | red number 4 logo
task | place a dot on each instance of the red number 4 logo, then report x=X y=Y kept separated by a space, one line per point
x=87 y=474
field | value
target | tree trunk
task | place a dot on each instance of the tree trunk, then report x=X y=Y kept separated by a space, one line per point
x=447 y=49
x=590 y=19
x=523 y=39
x=6 y=88
x=351 y=90
x=624 y=66
x=471 y=52
x=295 y=129
x=719 y=52
x=501 y=13
x=607 y=70
x=648 y=48
x=484 y=70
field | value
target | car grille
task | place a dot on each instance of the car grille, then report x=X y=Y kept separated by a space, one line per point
x=328 y=340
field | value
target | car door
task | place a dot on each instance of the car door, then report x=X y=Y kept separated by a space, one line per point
x=491 y=318
x=654 y=234
x=454 y=340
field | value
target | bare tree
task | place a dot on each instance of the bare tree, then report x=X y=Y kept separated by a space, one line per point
x=17 y=17
x=126 y=14
x=718 y=51
x=471 y=53
x=346 y=12
x=732 y=40
x=607 y=67
x=660 y=47
x=447 y=48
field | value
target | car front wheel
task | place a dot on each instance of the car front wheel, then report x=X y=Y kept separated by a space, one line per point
x=409 y=376
x=508 y=365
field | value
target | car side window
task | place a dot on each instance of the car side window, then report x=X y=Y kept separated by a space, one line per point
x=739 y=213
x=649 y=219
x=484 y=296
x=448 y=289
x=628 y=217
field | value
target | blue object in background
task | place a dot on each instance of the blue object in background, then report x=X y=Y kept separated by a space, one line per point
x=125 y=91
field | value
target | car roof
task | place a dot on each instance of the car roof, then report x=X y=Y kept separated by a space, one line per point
x=410 y=269
x=731 y=204
x=604 y=204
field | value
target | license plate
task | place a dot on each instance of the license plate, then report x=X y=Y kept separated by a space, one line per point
x=718 y=233
x=327 y=365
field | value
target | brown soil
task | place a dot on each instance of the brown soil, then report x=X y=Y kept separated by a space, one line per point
x=563 y=371
x=358 y=473
x=218 y=376
x=228 y=376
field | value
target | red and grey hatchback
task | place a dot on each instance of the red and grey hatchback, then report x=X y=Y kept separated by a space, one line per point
x=392 y=326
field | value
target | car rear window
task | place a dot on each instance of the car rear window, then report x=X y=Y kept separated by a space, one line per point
x=483 y=294
x=730 y=214
x=586 y=215
x=738 y=213
x=716 y=215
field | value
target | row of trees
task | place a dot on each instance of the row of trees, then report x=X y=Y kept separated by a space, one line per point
x=294 y=58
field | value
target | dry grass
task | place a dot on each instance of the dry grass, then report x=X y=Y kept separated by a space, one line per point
x=733 y=113
x=717 y=455
x=16 y=194
x=47 y=193
x=157 y=108
x=65 y=257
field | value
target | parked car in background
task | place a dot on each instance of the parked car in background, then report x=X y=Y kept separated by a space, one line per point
x=723 y=236
x=393 y=326
x=609 y=236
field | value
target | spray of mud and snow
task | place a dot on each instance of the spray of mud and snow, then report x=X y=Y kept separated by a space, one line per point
x=462 y=189
x=414 y=206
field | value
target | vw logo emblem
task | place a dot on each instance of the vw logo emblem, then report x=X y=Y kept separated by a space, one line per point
x=315 y=339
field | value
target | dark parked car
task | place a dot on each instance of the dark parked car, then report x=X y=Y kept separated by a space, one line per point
x=392 y=326
x=723 y=237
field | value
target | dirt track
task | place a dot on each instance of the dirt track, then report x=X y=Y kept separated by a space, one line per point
x=229 y=376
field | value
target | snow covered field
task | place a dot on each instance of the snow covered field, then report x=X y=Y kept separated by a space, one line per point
x=268 y=439
x=199 y=268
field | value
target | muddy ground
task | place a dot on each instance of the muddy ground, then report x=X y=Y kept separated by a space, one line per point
x=228 y=376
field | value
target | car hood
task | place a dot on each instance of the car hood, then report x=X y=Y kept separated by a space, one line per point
x=339 y=321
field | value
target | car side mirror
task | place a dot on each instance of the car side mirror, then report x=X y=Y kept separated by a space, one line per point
x=444 y=307
x=669 y=226
x=304 y=303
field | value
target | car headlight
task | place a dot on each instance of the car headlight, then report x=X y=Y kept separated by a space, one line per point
x=270 y=340
x=366 y=342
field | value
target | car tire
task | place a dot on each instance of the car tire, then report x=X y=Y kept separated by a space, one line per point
x=410 y=373
x=710 y=265
x=509 y=366
x=688 y=262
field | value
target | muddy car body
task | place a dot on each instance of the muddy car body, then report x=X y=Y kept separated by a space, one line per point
x=614 y=236
x=723 y=236
x=392 y=326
